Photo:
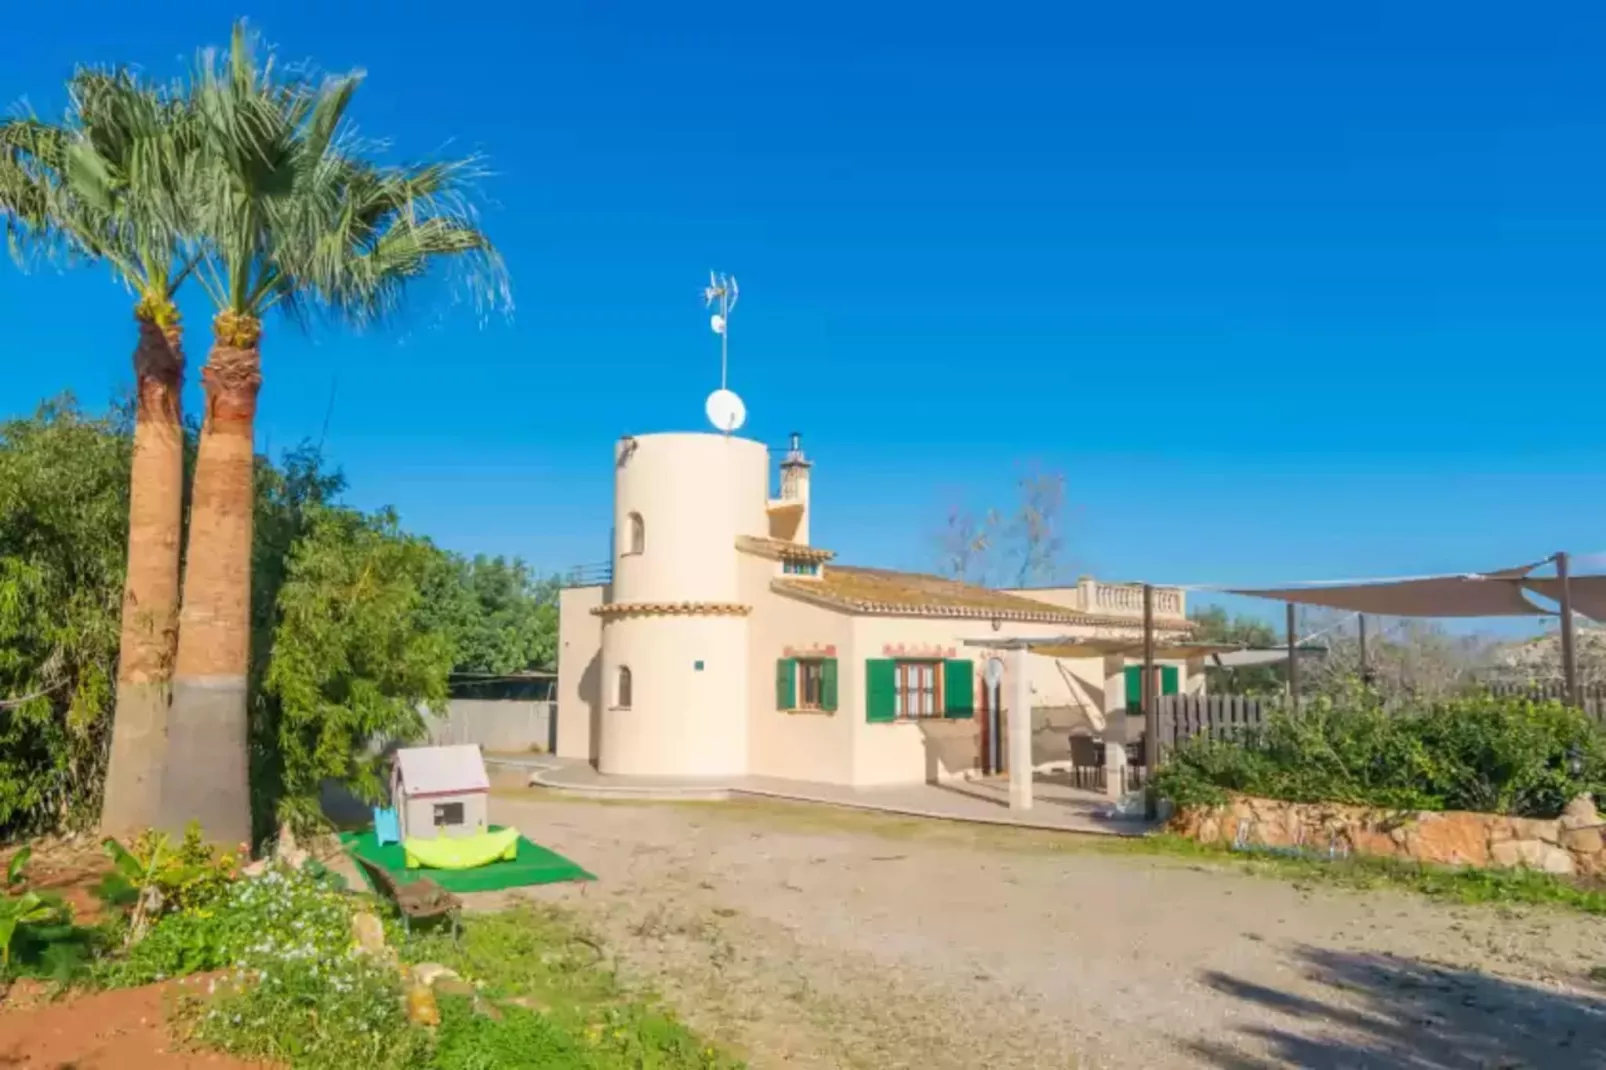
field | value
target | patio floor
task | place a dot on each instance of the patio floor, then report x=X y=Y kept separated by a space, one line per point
x=1057 y=805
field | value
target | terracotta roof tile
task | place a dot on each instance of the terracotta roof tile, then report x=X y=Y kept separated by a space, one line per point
x=874 y=590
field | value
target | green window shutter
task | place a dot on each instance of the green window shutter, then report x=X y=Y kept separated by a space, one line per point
x=1134 y=689
x=828 y=685
x=1168 y=679
x=959 y=688
x=785 y=684
x=880 y=689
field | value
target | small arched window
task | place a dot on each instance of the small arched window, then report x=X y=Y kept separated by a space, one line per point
x=621 y=689
x=638 y=534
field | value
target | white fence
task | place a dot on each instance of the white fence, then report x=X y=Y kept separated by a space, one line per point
x=495 y=724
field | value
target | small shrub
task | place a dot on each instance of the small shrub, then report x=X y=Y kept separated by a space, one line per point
x=305 y=1008
x=152 y=876
x=252 y=925
x=1494 y=755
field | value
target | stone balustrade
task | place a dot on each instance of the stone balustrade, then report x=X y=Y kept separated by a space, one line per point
x=1126 y=599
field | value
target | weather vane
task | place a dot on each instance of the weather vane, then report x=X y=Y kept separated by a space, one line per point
x=725 y=410
x=722 y=289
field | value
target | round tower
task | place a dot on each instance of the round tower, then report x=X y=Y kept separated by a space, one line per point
x=674 y=637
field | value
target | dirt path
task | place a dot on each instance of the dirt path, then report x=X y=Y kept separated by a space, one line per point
x=126 y=1029
x=818 y=938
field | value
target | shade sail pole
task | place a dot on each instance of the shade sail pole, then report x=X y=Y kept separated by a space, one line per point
x=1365 y=675
x=1569 y=653
x=1293 y=662
x=1151 y=720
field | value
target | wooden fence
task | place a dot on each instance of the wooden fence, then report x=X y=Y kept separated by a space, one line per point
x=1182 y=717
x=1591 y=696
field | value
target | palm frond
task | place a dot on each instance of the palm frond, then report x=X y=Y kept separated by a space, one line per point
x=290 y=215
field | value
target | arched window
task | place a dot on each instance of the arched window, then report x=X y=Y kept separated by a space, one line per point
x=638 y=534
x=621 y=689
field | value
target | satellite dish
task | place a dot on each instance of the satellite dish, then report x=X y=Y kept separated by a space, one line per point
x=725 y=410
x=717 y=322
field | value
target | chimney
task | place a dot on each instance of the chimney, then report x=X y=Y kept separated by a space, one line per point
x=795 y=485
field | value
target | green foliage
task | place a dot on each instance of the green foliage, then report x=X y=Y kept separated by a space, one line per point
x=1494 y=755
x=305 y=1011
x=152 y=876
x=1458 y=884
x=37 y=934
x=1215 y=626
x=501 y=617
x=588 y=1020
x=255 y=924
x=353 y=655
x=63 y=529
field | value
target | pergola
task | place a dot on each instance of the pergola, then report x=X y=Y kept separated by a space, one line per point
x=1016 y=650
x=1501 y=593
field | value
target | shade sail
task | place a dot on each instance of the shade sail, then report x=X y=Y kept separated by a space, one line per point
x=1586 y=593
x=1492 y=594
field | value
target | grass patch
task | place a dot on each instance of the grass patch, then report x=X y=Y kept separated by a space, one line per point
x=562 y=1004
x=1507 y=887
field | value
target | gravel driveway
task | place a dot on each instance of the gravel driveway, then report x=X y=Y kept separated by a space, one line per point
x=814 y=937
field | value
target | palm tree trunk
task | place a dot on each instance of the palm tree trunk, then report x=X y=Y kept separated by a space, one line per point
x=150 y=590
x=207 y=778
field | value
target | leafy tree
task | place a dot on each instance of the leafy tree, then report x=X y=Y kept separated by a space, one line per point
x=104 y=185
x=353 y=655
x=285 y=218
x=512 y=624
x=1215 y=626
x=63 y=521
x=331 y=587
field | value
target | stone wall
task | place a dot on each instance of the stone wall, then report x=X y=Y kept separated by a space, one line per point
x=1570 y=844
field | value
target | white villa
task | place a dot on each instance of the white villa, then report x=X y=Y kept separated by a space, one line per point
x=728 y=644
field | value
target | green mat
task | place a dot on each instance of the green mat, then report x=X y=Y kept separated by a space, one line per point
x=534 y=865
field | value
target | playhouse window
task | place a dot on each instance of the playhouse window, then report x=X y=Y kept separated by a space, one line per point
x=621 y=693
x=638 y=534
x=448 y=814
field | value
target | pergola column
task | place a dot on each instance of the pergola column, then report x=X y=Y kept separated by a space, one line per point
x=1115 y=720
x=1020 y=729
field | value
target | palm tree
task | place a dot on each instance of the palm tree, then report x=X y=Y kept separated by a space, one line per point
x=105 y=185
x=289 y=219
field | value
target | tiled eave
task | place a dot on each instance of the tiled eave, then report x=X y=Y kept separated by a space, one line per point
x=781 y=550
x=615 y=610
x=800 y=589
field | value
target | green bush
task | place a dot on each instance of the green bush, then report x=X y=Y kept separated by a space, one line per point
x=255 y=924
x=1493 y=755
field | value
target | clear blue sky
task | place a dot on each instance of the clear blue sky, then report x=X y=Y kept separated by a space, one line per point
x=1285 y=293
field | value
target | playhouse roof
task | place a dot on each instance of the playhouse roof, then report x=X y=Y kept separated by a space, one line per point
x=442 y=770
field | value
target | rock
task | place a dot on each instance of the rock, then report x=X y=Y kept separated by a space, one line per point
x=1584 y=841
x=432 y=973
x=1580 y=813
x=453 y=986
x=1209 y=831
x=1532 y=854
x=368 y=932
x=255 y=869
x=1454 y=839
x=1535 y=828
x=287 y=851
x=421 y=1006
